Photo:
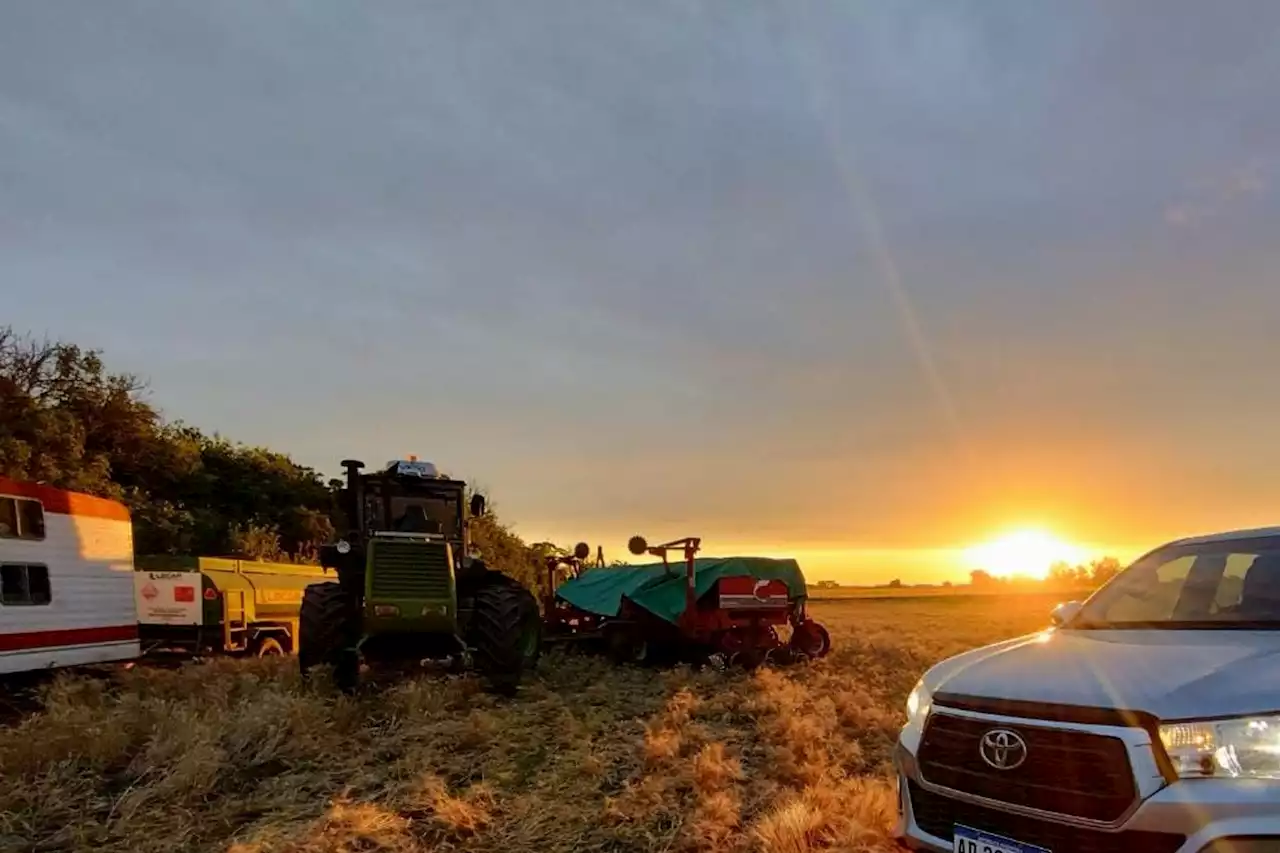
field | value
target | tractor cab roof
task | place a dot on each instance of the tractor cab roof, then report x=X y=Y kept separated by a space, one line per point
x=412 y=471
x=413 y=468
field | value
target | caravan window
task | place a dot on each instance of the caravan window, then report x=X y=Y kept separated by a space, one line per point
x=24 y=583
x=21 y=518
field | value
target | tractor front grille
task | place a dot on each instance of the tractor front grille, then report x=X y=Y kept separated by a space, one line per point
x=1066 y=772
x=410 y=570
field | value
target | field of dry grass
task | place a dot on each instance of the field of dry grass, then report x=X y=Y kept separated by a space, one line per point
x=240 y=757
x=842 y=593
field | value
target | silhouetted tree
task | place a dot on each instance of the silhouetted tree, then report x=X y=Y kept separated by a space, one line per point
x=66 y=420
x=982 y=579
x=1103 y=570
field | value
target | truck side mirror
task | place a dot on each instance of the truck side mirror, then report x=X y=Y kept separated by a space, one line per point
x=1064 y=613
x=582 y=550
x=477 y=506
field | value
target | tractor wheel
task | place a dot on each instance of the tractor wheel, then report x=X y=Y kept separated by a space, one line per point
x=505 y=632
x=268 y=647
x=531 y=621
x=328 y=630
x=626 y=647
x=810 y=640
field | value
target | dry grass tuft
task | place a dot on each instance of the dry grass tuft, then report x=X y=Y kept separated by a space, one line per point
x=242 y=757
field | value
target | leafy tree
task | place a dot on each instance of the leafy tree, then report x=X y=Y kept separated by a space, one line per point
x=256 y=541
x=1103 y=570
x=65 y=420
x=501 y=549
x=68 y=421
x=982 y=579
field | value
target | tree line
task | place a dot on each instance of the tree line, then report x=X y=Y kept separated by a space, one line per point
x=1061 y=575
x=69 y=421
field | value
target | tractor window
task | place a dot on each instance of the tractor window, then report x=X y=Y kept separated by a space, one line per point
x=21 y=518
x=25 y=583
x=425 y=515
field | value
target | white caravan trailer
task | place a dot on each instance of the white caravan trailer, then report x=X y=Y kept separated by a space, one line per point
x=66 y=579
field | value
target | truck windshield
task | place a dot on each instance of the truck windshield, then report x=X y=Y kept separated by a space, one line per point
x=1217 y=585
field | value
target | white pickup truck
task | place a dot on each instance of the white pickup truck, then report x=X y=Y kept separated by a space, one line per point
x=1146 y=719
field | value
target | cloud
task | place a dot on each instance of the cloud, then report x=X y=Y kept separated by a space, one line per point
x=1209 y=199
x=601 y=256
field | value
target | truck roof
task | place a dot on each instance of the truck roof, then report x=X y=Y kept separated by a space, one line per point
x=1230 y=536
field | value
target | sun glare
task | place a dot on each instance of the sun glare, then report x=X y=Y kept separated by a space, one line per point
x=1028 y=553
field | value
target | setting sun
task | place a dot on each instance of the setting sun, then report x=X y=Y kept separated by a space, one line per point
x=1029 y=553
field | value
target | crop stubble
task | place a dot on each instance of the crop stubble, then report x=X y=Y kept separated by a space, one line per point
x=240 y=756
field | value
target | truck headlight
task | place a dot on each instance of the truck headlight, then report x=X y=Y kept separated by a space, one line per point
x=918 y=703
x=1243 y=747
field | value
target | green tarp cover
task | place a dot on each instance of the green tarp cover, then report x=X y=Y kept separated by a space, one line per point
x=601 y=591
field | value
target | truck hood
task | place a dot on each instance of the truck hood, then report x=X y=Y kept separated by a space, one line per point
x=1174 y=674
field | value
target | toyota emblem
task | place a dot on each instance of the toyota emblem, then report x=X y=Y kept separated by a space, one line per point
x=1003 y=749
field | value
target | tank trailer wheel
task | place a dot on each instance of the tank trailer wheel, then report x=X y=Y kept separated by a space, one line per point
x=268 y=647
x=328 y=631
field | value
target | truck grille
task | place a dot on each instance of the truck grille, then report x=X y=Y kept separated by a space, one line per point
x=410 y=570
x=1065 y=772
x=937 y=815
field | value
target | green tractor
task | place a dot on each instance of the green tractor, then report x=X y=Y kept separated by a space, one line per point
x=410 y=587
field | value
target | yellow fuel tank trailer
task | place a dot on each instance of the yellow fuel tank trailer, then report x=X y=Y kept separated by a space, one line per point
x=212 y=605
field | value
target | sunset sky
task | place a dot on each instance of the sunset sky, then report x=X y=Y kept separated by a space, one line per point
x=867 y=283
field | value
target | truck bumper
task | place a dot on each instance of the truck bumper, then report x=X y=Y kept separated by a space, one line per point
x=1190 y=816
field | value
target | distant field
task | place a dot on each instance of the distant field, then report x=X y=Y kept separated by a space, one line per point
x=243 y=758
x=846 y=592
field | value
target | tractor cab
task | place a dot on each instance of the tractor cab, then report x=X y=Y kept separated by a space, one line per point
x=408 y=507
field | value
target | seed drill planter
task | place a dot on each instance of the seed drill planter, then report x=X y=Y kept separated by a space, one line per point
x=722 y=611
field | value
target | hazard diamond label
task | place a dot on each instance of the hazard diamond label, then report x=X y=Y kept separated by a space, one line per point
x=149 y=591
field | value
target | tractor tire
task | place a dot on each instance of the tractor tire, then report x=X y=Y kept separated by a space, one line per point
x=328 y=630
x=505 y=632
x=533 y=618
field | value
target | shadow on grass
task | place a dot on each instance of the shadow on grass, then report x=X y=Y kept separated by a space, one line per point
x=241 y=756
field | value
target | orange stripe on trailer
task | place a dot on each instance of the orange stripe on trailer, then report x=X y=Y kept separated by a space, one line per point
x=28 y=640
x=62 y=502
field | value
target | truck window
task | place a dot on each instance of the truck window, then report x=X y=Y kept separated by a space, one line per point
x=30 y=519
x=21 y=518
x=8 y=518
x=25 y=584
x=1218 y=583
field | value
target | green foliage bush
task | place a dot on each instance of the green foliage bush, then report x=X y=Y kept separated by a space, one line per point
x=67 y=420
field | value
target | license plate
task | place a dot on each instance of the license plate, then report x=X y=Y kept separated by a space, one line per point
x=968 y=840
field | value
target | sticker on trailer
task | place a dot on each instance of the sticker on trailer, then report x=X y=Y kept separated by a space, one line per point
x=168 y=598
x=281 y=596
x=751 y=593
